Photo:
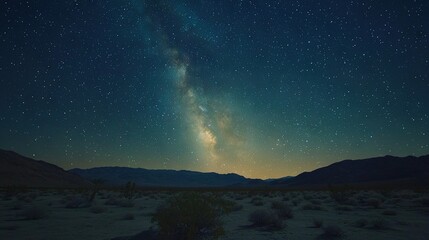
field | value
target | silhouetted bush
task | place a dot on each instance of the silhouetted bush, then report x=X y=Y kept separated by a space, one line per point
x=257 y=201
x=317 y=223
x=112 y=201
x=389 y=212
x=424 y=202
x=98 y=209
x=282 y=210
x=191 y=216
x=128 y=216
x=310 y=206
x=266 y=219
x=361 y=223
x=374 y=202
x=379 y=224
x=129 y=191
x=16 y=205
x=127 y=203
x=33 y=213
x=76 y=202
x=332 y=231
x=341 y=196
x=344 y=208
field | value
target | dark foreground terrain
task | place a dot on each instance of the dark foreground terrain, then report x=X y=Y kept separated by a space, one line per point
x=125 y=213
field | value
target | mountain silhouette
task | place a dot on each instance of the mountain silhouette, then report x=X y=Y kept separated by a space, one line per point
x=387 y=169
x=160 y=178
x=17 y=170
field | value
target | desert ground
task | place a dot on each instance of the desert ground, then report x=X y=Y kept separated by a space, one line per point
x=345 y=214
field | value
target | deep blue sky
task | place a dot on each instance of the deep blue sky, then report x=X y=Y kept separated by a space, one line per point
x=260 y=88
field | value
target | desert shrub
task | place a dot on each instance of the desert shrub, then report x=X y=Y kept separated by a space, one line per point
x=91 y=193
x=239 y=197
x=127 y=203
x=191 y=216
x=373 y=202
x=236 y=207
x=98 y=209
x=295 y=202
x=277 y=205
x=310 y=206
x=285 y=212
x=340 y=195
x=282 y=210
x=308 y=197
x=389 y=212
x=344 y=208
x=16 y=205
x=33 y=213
x=128 y=216
x=26 y=197
x=76 y=202
x=257 y=201
x=424 y=201
x=266 y=219
x=379 y=224
x=112 y=201
x=129 y=190
x=332 y=231
x=317 y=223
x=361 y=223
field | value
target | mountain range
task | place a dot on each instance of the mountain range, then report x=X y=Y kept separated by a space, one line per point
x=160 y=178
x=17 y=170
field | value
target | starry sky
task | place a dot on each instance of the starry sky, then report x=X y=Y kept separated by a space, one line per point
x=264 y=89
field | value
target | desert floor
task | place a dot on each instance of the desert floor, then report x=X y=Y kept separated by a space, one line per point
x=55 y=214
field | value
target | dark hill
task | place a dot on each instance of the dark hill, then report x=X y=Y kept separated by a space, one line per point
x=385 y=169
x=17 y=170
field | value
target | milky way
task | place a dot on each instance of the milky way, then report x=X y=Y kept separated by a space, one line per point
x=218 y=145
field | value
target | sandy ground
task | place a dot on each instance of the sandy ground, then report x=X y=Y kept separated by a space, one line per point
x=403 y=214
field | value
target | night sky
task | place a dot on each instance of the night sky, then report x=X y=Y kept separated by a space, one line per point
x=260 y=88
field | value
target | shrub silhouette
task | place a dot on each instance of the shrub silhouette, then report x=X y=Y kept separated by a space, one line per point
x=129 y=192
x=267 y=219
x=332 y=231
x=33 y=213
x=191 y=216
x=283 y=211
x=317 y=223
